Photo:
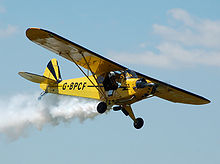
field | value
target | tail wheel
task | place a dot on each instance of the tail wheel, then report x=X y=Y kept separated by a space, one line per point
x=102 y=107
x=138 y=123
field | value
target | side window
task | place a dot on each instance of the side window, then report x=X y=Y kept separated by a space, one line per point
x=100 y=79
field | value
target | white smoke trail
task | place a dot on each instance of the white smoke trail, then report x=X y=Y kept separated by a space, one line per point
x=22 y=111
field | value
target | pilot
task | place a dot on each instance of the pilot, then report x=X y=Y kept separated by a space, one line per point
x=110 y=83
x=113 y=83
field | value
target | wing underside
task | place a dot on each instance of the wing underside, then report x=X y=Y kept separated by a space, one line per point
x=99 y=65
x=72 y=51
x=175 y=94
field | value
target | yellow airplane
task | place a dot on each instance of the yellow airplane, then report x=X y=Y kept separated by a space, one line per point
x=115 y=86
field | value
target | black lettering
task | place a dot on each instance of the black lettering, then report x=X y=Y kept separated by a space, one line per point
x=84 y=85
x=79 y=87
x=64 y=86
x=71 y=86
x=76 y=84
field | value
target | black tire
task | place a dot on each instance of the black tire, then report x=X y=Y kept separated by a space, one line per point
x=138 y=123
x=102 y=107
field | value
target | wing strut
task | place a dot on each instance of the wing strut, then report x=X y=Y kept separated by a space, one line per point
x=97 y=87
x=93 y=74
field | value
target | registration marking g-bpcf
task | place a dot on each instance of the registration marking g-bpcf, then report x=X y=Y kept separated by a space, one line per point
x=73 y=86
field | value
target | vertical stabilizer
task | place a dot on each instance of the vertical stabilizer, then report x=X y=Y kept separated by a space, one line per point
x=52 y=71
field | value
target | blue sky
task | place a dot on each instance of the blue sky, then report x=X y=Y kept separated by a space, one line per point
x=174 y=41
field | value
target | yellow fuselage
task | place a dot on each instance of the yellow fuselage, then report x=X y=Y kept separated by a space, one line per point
x=83 y=87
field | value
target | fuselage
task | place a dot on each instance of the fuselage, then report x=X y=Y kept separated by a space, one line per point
x=127 y=92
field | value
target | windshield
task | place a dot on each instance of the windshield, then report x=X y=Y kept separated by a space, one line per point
x=130 y=74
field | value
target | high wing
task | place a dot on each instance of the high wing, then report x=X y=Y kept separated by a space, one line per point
x=72 y=51
x=99 y=65
x=175 y=94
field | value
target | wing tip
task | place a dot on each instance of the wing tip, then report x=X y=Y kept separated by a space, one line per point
x=36 y=28
x=21 y=74
x=201 y=101
x=32 y=32
x=32 y=29
x=206 y=101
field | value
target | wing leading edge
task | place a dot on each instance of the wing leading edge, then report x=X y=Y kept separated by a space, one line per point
x=99 y=64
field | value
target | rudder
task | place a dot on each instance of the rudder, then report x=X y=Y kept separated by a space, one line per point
x=52 y=71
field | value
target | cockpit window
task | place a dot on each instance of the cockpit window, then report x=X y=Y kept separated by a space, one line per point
x=130 y=74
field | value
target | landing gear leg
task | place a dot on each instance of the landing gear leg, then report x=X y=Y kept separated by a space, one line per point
x=138 y=122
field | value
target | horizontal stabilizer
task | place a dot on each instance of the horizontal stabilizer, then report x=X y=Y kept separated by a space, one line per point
x=37 y=78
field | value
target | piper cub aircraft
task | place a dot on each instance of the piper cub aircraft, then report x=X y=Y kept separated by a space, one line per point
x=115 y=86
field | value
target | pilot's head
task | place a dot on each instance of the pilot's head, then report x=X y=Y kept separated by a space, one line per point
x=111 y=74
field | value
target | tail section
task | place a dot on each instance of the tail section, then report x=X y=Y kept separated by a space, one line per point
x=37 y=78
x=51 y=75
x=52 y=71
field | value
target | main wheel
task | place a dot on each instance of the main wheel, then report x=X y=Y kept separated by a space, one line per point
x=138 y=123
x=102 y=107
